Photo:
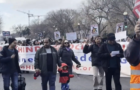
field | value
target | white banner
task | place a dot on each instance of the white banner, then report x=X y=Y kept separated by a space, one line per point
x=26 y=61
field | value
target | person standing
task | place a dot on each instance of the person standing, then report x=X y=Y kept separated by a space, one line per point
x=64 y=76
x=67 y=56
x=46 y=61
x=96 y=62
x=9 y=66
x=111 y=61
x=132 y=55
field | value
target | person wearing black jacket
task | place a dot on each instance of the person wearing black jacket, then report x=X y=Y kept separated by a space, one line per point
x=9 y=66
x=67 y=55
x=96 y=62
x=111 y=61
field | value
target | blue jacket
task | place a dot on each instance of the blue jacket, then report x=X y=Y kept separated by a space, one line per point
x=6 y=61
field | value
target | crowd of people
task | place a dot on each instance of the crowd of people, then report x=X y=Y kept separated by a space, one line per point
x=47 y=58
x=35 y=42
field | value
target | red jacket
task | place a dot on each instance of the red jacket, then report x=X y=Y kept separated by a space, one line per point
x=64 y=74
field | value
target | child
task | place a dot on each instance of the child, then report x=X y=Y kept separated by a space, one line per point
x=64 y=76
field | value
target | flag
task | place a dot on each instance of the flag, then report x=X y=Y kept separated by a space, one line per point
x=136 y=9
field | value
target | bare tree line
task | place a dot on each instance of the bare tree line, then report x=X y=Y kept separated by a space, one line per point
x=105 y=13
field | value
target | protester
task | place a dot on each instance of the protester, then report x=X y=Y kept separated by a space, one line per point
x=9 y=66
x=104 y=39
x=67 y=55
x=57 y=43
x=111 y=61
x=19 y=43
x=60 y=41
x=24 y=43
x=128 y=39
x=41 y=42
x=96 y=62
x=28 y=42
x=92 y=41
x=64 y=76
x=132 y=54
x=46 y=60
x=5 y=40
x=35 y=43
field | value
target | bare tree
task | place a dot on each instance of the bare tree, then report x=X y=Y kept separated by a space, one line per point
x=93 y=9
x=107 y=13
x=21 y=30
x=62 y=19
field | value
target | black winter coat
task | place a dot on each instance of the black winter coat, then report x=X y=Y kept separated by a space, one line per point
x=104 y=54
x=6 y=61
x=67 y=56
x=132 y=53
x=93 y=49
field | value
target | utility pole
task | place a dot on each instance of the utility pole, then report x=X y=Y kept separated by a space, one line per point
x=29 y=15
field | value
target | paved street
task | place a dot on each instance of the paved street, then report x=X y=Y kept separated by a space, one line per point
x=77 y=83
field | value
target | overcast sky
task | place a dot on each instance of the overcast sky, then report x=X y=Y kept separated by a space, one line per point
x=10 y=15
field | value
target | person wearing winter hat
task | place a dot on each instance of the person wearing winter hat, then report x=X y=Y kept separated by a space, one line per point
x=9 y=66
x=111 y=61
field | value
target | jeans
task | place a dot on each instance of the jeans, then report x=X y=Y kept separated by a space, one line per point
x=6 y=81
x=51 y=77
x=115 y=73
x=65 y=86
x=98 y=80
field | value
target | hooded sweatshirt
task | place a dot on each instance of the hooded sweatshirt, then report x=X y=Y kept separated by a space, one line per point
x=64 y=74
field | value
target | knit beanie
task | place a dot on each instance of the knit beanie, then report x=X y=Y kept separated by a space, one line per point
x=111 y=36
x=11 y=40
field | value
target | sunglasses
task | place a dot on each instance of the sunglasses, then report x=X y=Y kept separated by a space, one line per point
x=46 y=42
x=66 y=43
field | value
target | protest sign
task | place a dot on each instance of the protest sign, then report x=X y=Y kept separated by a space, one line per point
x=71 y=36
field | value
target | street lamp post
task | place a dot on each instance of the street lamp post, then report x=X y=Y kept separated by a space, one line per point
x=125 y=19
x=125 y=14
x=44 y=34
x=79 y=35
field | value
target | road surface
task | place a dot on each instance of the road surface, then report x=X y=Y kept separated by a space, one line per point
x=77 y=83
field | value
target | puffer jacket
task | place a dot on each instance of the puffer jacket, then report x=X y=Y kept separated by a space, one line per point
x=64 y=74
x=93 y=49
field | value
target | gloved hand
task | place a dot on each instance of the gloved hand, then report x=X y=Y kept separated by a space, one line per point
x=78 y=66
